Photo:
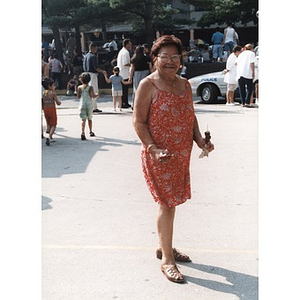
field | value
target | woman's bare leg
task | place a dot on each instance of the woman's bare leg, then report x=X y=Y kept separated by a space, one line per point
x=165 y=221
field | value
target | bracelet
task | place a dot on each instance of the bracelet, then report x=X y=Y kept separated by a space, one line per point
x=149 y=147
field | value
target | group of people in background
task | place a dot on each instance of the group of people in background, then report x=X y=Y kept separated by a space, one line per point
x=84 y=82
x=242 y=71
x=217 y=50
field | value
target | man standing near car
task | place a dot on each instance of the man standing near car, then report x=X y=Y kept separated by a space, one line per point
x=245 y=73
x=123 y=62
x=90 y=65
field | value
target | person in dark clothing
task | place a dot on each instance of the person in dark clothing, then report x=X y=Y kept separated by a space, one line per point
x=77 y=62
x=140 y=67
x=96 y=38
x=90 y=65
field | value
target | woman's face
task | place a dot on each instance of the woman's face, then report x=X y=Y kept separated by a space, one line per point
x=168 y=60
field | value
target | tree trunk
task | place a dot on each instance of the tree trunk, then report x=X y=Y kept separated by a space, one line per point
x=78 y=38
x=104 y=32
x=150 y=34
x=58 y=46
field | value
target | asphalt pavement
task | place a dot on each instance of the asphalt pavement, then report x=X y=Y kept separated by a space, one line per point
x=99 y=220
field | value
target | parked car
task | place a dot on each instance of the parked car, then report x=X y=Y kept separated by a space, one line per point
x=209 y=86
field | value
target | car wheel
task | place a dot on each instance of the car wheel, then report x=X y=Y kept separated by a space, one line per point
x=209 y=93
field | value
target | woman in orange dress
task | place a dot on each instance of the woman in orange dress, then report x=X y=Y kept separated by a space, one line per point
x=165 y=122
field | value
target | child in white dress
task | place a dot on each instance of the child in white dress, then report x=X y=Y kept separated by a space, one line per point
x=85 y=93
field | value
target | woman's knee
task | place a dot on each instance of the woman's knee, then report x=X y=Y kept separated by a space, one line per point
x=166 y=210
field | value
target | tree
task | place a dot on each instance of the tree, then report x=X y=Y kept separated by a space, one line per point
x=147 y=16
x=61 y=14
x=103 y=14
x=224 y=11
x=200 y=5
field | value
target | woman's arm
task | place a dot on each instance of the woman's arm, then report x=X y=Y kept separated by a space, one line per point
x=131 y=71
x=200 y=141
x=141 y=109
x=142 y=102
x=197 y=135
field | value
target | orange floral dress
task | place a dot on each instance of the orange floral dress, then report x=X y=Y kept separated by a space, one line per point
x=170 y=123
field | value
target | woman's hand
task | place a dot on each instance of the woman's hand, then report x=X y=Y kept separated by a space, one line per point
x=160 y=155
x=201 y=143
x=208 y=146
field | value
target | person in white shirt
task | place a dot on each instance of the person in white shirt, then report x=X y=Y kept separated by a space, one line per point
x=123 y=62
x=255 y=79
x=230 y=74
x=113 y=44
x=245 y=73
x=229 y=38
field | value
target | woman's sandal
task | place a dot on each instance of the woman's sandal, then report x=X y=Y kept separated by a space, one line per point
x=92 y=133
x=172 y=273
x=179 y=256
x=83 y=137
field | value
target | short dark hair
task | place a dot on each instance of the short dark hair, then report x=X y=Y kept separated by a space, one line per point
x=126 y=42
x=166 y=40
x=85 y=78
x=237 y=48
x=47 y=82
x=92 y=45
x=117 y=70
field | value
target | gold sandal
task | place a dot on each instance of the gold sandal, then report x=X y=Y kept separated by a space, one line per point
x=179 y=256
x=172 y=273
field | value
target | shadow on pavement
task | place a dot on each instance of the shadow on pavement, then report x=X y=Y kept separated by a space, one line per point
x=72 y=155
x=239 y=284
x=45 y=203
x=217 y=111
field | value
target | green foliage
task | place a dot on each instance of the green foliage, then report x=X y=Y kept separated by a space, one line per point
x=224 y=11
x=147 y=16
x=201 y=5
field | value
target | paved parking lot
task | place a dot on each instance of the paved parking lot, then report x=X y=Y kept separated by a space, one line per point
x=98 y=218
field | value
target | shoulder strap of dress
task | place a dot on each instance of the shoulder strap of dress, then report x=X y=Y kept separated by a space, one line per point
x=186 y=81
x=187 y=86
x=152 y=83
x=87 y=88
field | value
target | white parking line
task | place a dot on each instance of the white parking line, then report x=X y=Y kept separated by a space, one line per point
x=148 y=249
